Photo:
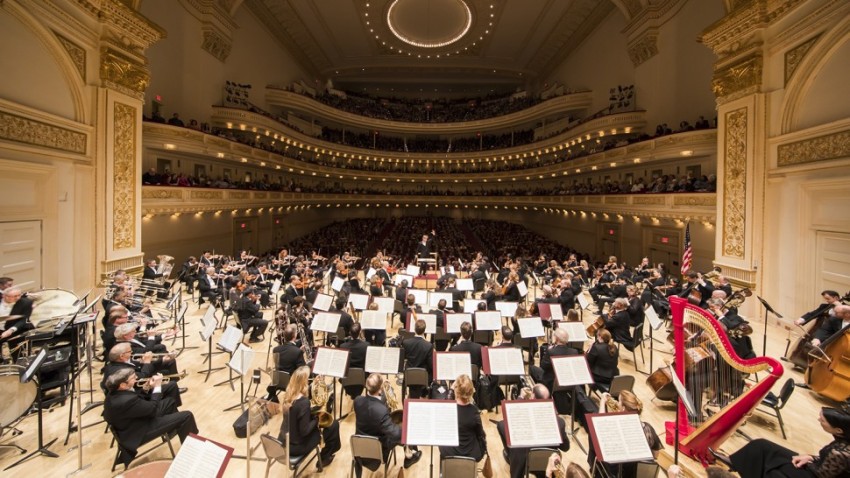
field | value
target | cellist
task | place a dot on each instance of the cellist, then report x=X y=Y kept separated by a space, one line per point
x=831 y=299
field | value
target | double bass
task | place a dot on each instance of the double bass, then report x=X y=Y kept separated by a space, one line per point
x=799 y=355
x=829 y=365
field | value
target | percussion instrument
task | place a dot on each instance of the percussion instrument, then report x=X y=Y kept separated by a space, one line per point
x=661 y=383
x=50 y=303
x=15 y=396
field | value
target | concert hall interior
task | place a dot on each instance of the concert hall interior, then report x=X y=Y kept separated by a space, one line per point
x=221 y=191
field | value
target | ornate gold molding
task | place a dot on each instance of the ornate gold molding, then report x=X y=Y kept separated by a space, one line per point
x=207 y=195
x=648 y=200
x=738 y=77
x=216 y=44
x=124 y=178
x=616 y=200
x=123 y=74
x=794 y=56
x=29 y=131
x=735 y=183
x=821 y=148
x=644 y=48
x=694 y=201
x=165 y=193
x=76 y=52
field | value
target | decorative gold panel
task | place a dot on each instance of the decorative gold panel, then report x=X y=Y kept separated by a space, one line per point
x=737 y=77
x=77 y=54
x=122 y=73
x=165 y=193
x=207 y=195
x=794 y=56
x=694 y=200
x=644 y=48
x=735 y=183
x=821 y=148
x=237 y=195
x=124 y=177
x=28 y=131
x=648 y=200
x=615 y=200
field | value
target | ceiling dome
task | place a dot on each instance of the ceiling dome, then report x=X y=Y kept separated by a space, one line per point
x=429 y=23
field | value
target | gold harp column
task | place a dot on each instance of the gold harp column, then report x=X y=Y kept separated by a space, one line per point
x=124 y=76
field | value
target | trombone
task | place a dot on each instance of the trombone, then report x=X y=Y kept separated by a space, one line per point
x=137 y=357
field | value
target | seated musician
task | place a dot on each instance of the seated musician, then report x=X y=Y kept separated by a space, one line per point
x=616 y=290
x=375 y=336
x=6 y=283
x=490 y=294
x=208 y=287
x=545 y=374
x=136 y=420
x=120 y=358
x=635 y=308
x=516 y=457
x=303 y=427
x=830 y=324
x=440 y=312
x=356 y=347
x=13 y=304
x=472 y=441
x=418 y=353
x=150 y=272
x=465 y=344
x=189 y=273
x=510 y=290
x=290 y=356
x=373 y=419
x=760 y=457
x=376 y=288
x=251 y=317
x=618 y=323
x=628 y=402
x=603 y=358
x=567 y=294
x=457 y=294
x=122 y=297
x=127 y=333
x=117 y=316
x=547 y=298
x=345 y=319
x=696 y=282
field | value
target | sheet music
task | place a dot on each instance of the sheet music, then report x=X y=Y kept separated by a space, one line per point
x=504 y=361
x=373 y=319
x=360 y=301
x=199 y=458
x=208 y=327
x=326 y=321
x=619 y=438
x=531 y=423
x=430 y=422
x=435 y=297
x=470 y=306
x=654 y=321
x=430 y=323
x=382 y=359
x=420 y=294
x=242 y=358
x=453 y=322
x=523 y=289
x=370 y=273
x=331 y=362
x=555 y=312
x=412 y=270
x=488 y=320
x=230 y=339
x=575 y=330
x=323 y=302
x=465 y=284
x=571 y=370
x=451 y=365
x=508 y=309
x=385 y=304
x=680 y=389
x=400 y=277
x=337 y=283
x=530 y=327
x=583 y=301
x=275 y=287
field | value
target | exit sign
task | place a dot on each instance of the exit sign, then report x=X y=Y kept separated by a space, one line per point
x=665 y=240
x=610 y=232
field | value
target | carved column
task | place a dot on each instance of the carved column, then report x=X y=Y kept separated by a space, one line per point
x=124 y=77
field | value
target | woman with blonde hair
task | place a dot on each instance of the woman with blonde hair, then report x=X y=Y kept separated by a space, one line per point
x=472 y=440
x=628 y=402
x=303 y=427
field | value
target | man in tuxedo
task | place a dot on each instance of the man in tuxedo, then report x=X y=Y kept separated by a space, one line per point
x=136 y=420
x=14 y=304
x=373 y=419
x=559 y=348
x=126 y=333
x=423 y=248
x=356 y=347
x=617 y=323
x=251 y=317
x=345 y=319
x=120 y=357
x=291 y=292
x=440 y=312
x=208 y=287
x=290 y=356
x=695 y=281
x=465 y=344
x=418 y=353
x=189 y=273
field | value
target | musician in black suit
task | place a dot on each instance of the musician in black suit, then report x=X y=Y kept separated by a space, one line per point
x=567 y=298
x=603 y=358
x=345 y=319
x=13 y=303
x=373 y=419
x=356 y=347
x=189 y=273
x=465 y=344
x=695 y=281
x=558 y=348
x=832 y=325
x=117 y=315
x=251 y=317
x=135 y=420
x=617 y=323
x=120 y=358
x=440 y=312
x=208 y=287
x=418 y=353
x=423 y=248
x=472 y=442
x=457 y=295
x=150 y=272
x=126 y=333
x=831 y=298
x=289 y=357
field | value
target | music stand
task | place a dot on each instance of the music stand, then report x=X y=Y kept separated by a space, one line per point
x=768 y=310
x=430 y=423
x=572 y=371
x=31 y=374
x=239 y=362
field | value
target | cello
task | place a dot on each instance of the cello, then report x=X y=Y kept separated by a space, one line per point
x=799 y=355
x=829 y=373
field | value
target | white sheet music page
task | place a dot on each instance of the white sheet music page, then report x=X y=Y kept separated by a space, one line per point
x=331 y=362
x=230 y=339
x=275 y=287
x=531 y=423
x=505 y=361
x=400 y=277
x=451 y=365
x=571 y=370
x=619 y=437
x=430 y=422
x=323 y=302
x=555 y=312
x=385 y=304
x=583 y=300
x=530 y=327
x=420 y=294
x=382 y=359
x=370 y=273
x=575 y=330
x=360 y=301
x=435 y=297
x=654 y=321
x=508 y=309
x=470 y=306
x=210 y=312
x=337 y=283
x=454 y=321
x=197 y=458
x=412 y=270
x=522 y=288
x=326 y=321
x=488 y=320
x=465 y=284
x=241 y=360
x=430 y=323
x=373 y=319
x=208 y=327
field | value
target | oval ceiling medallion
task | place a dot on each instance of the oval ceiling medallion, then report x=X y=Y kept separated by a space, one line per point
x=429 y=23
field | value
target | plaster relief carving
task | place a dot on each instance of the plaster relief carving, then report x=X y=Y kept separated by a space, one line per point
x=123 y=74
x=207 y=195
x=821 y=148
x=738 y=77
x=734 y=183
x=124 y=177
x=162 y=193
x=644 y=48
x=648 y=200
x=216 y=45
x=24 y=130
x=77 y=54
x=794 y=56
x=694 y=201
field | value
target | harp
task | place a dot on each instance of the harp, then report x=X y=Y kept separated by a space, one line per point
x=713 y=375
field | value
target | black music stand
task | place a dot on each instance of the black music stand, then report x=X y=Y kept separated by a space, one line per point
x=768 y=310
x=31 y=374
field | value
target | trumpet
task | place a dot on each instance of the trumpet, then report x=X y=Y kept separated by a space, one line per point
x=137 y=357
x=144 y=382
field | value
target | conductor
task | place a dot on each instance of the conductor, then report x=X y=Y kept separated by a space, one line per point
x=423 y=248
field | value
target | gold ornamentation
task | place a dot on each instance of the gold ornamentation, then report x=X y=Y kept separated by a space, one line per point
x=166 y=193
x=616 y=200
x=708 y=200
x=594 y=200
x=275 y=195
x=207 y=195
x=28 y=131
x=648 y=200
x=77 y=54
x=820 y=148
x=794 y=56
x=238 y=195
x=260 y=195
x=735 y=183
x=216 y=44
x=644 y=48
x=126 y=75
x=124 y=177
x=738 y=77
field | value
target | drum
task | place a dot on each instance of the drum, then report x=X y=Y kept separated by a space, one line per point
x=661 y=383
x=15 y=396
x=51 y=303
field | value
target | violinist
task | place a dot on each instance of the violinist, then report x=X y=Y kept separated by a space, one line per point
x=490 y=294
x=189 y=273
x=376 y=288
x=293 y=290
x=208 y=287
x=635 y=308
x=510 y=291
x=206 y=259
x=831 y=299
x=353 y=283
x=644 y=269
x=617 y=323
x=251 y=317
x=386 y=280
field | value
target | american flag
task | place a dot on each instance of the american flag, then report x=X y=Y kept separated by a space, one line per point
x=686 y=256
